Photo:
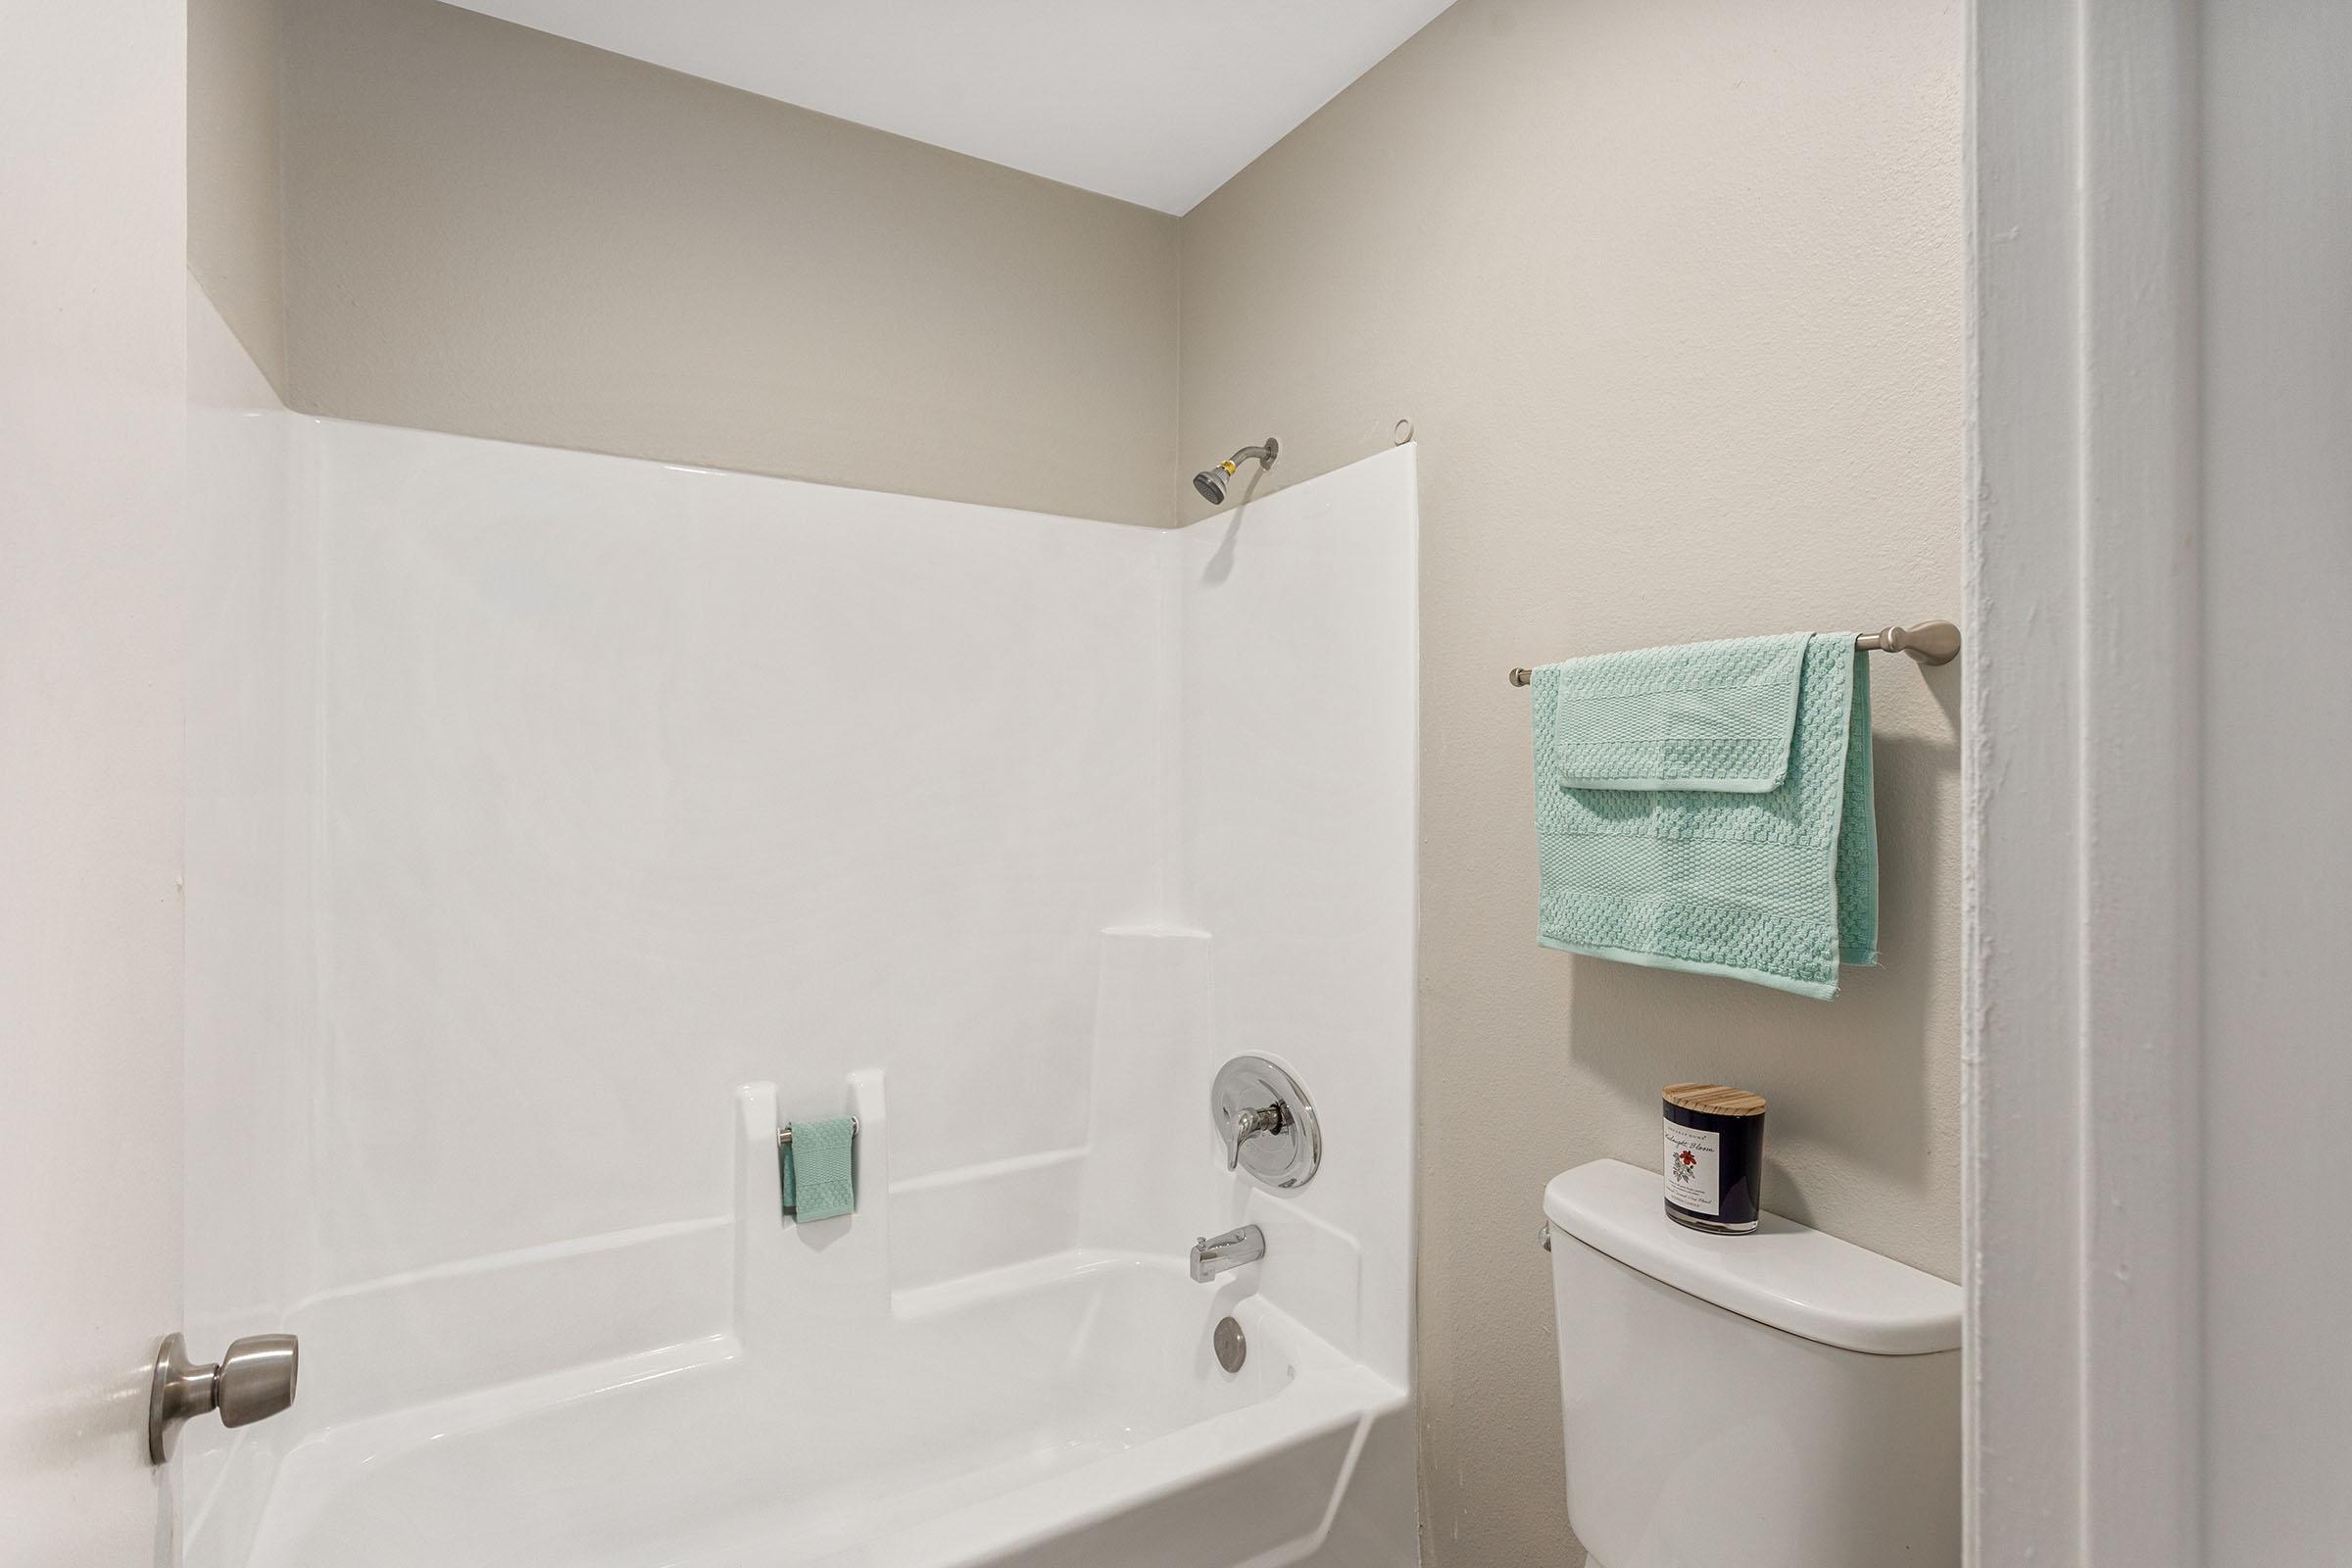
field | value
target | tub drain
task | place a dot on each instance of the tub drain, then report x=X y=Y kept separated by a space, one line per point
x=1232 y=1348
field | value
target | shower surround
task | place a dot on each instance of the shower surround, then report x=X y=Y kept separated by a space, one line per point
x=561 y=822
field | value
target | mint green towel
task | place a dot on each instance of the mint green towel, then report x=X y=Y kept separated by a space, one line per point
x=1725 y=845
x=819 y=1181
x=1707 y=717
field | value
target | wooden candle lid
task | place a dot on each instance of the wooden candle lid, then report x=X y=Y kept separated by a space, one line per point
x=1715 y=1099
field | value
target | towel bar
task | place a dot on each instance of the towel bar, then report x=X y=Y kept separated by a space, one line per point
x=1931 y=642
x=784 y=1133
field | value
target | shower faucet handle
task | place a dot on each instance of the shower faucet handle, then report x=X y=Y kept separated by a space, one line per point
x=1253 y=1125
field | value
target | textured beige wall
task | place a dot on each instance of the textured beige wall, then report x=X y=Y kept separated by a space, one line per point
x=1671 y=291
x=233 y=248
x=500 y=232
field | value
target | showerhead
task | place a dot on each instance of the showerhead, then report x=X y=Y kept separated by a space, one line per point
x=1212 y=482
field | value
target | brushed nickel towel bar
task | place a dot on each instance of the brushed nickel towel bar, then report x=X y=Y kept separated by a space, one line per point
x=1931 y=642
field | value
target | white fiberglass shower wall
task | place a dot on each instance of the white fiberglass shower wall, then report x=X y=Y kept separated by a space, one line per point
x=561 y=822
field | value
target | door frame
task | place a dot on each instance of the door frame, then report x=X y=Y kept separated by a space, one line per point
x=2082 y=1053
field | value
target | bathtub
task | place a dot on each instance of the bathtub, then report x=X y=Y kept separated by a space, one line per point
x=1068 y=1411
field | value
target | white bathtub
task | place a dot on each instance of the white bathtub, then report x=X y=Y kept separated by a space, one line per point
x=1064 y=1411
x=1069 y=1411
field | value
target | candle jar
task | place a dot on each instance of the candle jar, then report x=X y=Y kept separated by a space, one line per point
x=1714 y=1158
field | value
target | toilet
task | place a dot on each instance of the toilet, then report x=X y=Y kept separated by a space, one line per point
x=1783 y=1400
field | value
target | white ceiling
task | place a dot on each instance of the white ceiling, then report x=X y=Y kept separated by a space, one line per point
x=1157 y=102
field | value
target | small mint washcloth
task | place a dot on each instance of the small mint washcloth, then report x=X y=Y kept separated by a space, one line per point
x=820 y=1182
x=1777 y=886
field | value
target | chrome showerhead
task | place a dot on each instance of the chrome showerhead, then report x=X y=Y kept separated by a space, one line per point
x=1212 y=482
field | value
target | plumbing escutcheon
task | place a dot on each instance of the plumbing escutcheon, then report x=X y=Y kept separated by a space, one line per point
x=1266 y=1122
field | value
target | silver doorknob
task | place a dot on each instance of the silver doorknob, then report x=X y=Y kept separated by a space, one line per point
x=253 y=1381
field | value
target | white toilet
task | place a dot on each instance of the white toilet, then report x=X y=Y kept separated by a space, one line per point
x=1784 y=1400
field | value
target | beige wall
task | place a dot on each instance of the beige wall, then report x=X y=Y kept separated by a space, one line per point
x=500 y=232
x=1671 y=291
x=233 y=243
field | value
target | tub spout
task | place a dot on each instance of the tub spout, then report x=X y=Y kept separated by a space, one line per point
x=1213 y=1255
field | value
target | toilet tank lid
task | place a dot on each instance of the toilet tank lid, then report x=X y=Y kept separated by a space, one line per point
x=1790 y=1276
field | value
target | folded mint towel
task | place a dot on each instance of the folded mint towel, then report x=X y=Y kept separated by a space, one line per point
x=819 y=1178
x=1705 y=716
x=1696 y=867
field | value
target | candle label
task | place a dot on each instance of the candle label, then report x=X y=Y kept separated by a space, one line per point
x=1694 y=1169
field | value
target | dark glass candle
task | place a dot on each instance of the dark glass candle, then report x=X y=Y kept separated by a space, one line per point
x=1714 y=1158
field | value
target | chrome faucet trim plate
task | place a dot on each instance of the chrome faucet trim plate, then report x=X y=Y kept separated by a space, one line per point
x=1266 y=1122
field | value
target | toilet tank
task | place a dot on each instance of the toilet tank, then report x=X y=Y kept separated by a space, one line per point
x=1783 y=1400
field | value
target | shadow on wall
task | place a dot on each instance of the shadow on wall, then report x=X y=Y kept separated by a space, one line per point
x=1220 y=564
x=1868 y=1055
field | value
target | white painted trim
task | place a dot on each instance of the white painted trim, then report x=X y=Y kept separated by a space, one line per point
x=2082 y=1054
